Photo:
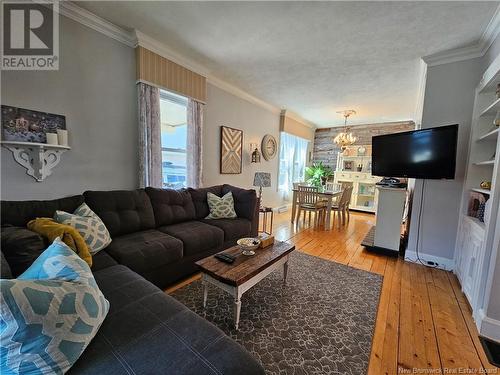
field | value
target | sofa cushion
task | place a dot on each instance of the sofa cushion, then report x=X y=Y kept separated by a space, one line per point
x=122 y=211
x=18 y=213
x=199 y=197
x=245 y=201
x=196 y=237
x=102 y=260
x=148 y=332
x=234 y=229
x=5 y=272
x=171 y=206
x=144 y=250
x=21 y=247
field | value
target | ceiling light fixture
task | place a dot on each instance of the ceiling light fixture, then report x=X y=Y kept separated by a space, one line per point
x=345 y=138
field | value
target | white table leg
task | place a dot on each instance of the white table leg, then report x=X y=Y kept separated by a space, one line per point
x=285 y=271
x=237 y=309
x=294 y=205
x=328 y=211
x=205 y=293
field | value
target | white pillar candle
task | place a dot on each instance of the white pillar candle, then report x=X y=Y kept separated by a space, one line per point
x=62 y=136
x=51 y=138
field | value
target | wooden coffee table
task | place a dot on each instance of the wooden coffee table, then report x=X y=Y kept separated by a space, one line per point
x=245 y=272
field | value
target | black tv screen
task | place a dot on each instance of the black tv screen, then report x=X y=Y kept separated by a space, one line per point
x=427 y=153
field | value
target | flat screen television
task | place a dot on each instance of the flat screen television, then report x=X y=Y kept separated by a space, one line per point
x=427 y=153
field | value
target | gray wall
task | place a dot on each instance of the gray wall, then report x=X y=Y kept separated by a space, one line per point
x=449 y=99
x=95 y=89
x=225 y=109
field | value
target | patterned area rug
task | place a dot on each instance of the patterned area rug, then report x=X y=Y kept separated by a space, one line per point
x=321 y=322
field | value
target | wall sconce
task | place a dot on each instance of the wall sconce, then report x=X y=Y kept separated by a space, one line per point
x=254 y=148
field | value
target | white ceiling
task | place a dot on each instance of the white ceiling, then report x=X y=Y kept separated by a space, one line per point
x=314 y=58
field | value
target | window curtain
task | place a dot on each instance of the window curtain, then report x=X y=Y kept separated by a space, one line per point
x=293 y=154
x=149 y=136
x=194 y=144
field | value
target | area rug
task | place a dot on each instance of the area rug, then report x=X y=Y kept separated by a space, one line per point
x=321 y=322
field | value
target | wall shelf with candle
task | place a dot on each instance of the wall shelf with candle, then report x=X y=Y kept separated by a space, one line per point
x=38 y=158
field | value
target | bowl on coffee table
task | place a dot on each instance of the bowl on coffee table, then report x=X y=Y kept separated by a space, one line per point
x=248 y=245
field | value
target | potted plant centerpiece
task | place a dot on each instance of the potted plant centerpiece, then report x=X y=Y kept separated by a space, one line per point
x=317 y=174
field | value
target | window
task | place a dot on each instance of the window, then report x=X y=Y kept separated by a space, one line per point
x=173 y=117
x=293 y=152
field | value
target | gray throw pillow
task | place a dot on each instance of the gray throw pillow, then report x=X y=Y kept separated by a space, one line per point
x=221 y=208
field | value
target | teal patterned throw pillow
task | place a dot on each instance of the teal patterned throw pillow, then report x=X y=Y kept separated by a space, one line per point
x=49 y=314
x=89 y=225
x=221 y=208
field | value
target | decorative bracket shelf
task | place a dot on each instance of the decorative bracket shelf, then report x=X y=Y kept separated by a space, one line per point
x=38 y=158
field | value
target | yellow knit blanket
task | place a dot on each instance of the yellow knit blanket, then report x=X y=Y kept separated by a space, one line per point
x=51 y=230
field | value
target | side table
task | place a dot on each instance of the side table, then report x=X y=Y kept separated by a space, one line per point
x=266 y=213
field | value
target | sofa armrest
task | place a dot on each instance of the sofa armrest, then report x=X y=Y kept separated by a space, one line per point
x=21 y=247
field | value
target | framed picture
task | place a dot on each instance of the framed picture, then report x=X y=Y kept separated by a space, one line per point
x=231 y=150
x=347 y=165
x=26 y=125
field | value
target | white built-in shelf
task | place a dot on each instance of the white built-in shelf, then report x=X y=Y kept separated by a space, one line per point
x=492 y=109
x=367 y=195
x=492 y=135
x=486 y=162
x=38 y=158
x=363 y=208
x=484 y=191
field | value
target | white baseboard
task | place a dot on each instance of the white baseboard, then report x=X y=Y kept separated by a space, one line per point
x=488 y=327
x=442 y=263
x=282 y=208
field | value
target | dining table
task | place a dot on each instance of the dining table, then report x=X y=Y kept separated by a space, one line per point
x=328 y=194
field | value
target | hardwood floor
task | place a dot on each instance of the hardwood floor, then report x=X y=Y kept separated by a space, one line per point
x=424 y=324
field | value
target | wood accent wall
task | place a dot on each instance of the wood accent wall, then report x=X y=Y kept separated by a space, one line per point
x=164 y=73
x=326 y=151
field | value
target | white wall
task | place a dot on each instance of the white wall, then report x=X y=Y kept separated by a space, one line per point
x=226 y=109
x=449 y=99
x=94 y=88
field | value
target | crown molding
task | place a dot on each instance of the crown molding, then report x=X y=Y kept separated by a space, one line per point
x=454 y=55
x=80 y=15
x=136 y=37
x=475 y=50
x=163 y=50
x=491 y=32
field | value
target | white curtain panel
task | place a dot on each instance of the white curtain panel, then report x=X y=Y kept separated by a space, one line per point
x=194 y=143
x=293 y=153
x=150 y=167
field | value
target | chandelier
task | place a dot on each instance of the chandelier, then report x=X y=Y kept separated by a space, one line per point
x=345 y=138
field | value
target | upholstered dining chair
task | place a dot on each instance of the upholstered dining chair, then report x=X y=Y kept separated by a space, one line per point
x=310 y=201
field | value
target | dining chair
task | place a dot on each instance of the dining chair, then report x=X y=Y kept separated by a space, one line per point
x=341 y=207
x=310 y=201
x=332 y=186
x=297 y=184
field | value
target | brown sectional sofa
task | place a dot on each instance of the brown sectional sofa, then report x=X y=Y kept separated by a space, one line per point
x=157 y=235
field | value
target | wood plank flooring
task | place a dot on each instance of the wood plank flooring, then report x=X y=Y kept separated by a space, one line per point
x=424 y=324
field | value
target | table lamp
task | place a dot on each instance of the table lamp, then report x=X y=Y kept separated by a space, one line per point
x=262 y=179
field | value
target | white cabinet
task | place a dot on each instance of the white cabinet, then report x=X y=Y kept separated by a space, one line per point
x=354 y=169
x=469 y=256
